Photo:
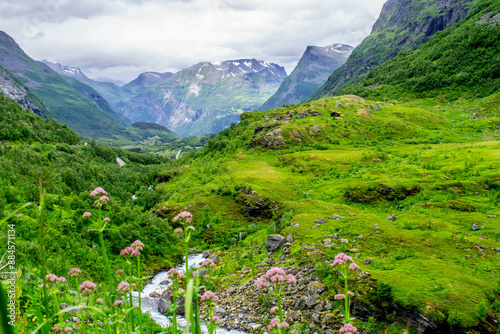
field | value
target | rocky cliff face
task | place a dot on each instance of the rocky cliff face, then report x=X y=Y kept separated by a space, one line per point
x=15 y=90
x=402 y=25
x=206 y=97
x=312 y=70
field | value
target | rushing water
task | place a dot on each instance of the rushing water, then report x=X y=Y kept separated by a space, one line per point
x=150 y=304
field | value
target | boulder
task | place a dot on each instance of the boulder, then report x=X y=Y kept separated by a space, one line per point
x=274 y=242
x=320 y=221
x=392 y=218
x=313 y=300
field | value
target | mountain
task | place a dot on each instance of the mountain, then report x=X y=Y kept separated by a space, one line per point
x=206 y=97
x=460 y=62
x=312 y=70
x=13 y=88
x=71 y=102
x=402 y=25
x=145 y=81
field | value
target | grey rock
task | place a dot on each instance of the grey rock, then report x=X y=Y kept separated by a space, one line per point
x=320 y=221
x=492 y=216
x=315 y=287
x=274 y=242
x=392 y=218
x=206 y=255
x=313 y=300
x=369 y=261
x=289 y=238
x=475 y=227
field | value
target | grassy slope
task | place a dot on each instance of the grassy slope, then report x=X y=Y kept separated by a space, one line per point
x=423 y=255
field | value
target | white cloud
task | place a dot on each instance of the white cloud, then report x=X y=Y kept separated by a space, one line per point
x=122 y=38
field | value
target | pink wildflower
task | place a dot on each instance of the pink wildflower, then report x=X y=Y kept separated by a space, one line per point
x=126 y=250
x=87 y=287
x=350 y=293
x=135 y=252
x=119 y=272
x=274 y=323
x=74 y=272
x=215 y=318
x=275 y=271
x=86 y=292
x=185 y=215
x=86 y=214
x=276 y=278
x=137 y=245
x=209 y=295
x=46 y=286
x=178 y=230
x=99 y=301
x=291 y=279
x=106 y=219
x=261 y=283
x=353 y=266
x=339 y=296
x=123 y=286
x=57 y=329
x=348 y=329
x=208 y=262
x=118 y=303
x=98 y=191
x=273 y=309
x=51 y=277
x=283 y=325
x=68 y=329
x=190 y=228
x=62 y=279
x=104 y=199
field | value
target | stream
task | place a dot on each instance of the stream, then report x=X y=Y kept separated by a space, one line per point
x=150 y=304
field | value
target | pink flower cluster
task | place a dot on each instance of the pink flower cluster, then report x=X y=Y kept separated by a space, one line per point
x=98 y=191
x=106 y=219
x=133 y=250
x=209 y=295
x=119 y=272
x=348 y=329
x=275 y=323
x=215 y=318
x=174 y=273
x=339 y=296
x=208 y=262
x=273 y=309
x=137 y=245
x=102 y=200
x=118 y=303
x=178 y=230
x=99 y=301
x=342 y=258
x=86 y=214
x=275 y=274
x=87 y=287
x=53 y=278
x=123 y=286
x=74 y=272
x=185 y=215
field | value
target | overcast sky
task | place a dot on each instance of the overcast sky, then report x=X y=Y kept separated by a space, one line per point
x=120 y=39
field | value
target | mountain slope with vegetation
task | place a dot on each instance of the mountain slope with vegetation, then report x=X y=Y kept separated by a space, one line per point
x=71 y=102
x=455 y=64
x=402 y=26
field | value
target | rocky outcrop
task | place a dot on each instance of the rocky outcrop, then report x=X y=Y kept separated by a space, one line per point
x=274 y=242
x=17 y=91
x=256 y=206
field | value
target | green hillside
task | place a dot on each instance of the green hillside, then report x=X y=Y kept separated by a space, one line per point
x=401 y=26
x=457 y=63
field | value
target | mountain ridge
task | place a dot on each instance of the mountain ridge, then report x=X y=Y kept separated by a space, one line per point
x=311 y=71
